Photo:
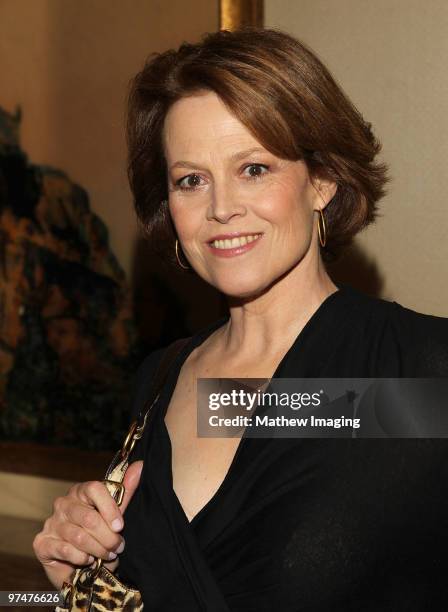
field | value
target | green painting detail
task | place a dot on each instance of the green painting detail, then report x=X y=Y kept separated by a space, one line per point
x=67 y=339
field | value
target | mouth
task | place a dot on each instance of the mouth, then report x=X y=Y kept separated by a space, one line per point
x=231 y=245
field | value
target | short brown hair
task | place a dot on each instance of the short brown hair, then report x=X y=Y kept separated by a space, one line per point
x=283 y=94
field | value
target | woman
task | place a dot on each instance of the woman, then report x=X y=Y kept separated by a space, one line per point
x=246 y=150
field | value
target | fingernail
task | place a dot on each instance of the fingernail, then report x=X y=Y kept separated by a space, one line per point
x=117 y=524
x=120 y=549
x=90 y=559
x=112 y=556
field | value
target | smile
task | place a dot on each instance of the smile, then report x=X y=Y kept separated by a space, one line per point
x=229 y=247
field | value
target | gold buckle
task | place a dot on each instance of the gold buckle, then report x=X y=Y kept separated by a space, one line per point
x=118 y=490
x=129 y=441
x=94 y=571
x=135 y=433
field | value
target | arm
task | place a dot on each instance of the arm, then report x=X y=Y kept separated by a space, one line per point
x=82 y=524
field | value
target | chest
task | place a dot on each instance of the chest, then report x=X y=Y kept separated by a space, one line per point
x=199 y=465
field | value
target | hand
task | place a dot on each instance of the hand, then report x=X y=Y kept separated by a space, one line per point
x=84 y=524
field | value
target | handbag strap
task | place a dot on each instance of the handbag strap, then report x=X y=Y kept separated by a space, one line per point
x=119 y=464
x=161 y=374
x=117 y=468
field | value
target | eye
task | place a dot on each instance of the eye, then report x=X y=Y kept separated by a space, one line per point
x=189 y=182
x=256 y=170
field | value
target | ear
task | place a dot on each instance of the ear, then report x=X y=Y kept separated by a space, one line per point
x=325 y=189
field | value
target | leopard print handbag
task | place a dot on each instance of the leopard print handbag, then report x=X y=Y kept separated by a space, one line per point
x=95 y=588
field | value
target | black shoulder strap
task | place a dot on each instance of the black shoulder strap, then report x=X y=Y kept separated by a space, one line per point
x=161 y=375
x=168 y=358
x=119 y=464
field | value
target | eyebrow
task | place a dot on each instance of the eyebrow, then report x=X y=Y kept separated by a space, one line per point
x=232 y=158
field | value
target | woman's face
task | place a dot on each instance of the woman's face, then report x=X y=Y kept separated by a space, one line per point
x=243 y=216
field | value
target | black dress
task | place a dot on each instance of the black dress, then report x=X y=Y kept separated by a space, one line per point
x=304 y=524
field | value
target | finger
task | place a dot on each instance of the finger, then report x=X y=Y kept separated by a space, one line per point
x=52 y=550
x=88 y=521
x=82 y=540
x=112 y=565
x=94 y=493
x=130 y=482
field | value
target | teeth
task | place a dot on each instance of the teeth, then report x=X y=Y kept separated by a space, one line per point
x=234 y=242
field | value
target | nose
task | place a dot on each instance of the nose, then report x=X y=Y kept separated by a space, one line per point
x=225 y=203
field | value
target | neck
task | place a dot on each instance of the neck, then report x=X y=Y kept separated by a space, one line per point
x=268 y=323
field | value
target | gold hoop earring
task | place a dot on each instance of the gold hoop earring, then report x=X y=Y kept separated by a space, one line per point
x=323 y=231
x=177 y=257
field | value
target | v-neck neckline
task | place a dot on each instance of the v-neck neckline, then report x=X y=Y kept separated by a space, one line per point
x=181 y=358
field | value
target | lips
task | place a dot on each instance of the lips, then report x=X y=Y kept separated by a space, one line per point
x=229 y=245
x=232 y=235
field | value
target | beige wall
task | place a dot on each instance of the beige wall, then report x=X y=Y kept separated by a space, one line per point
x=26 y=502
x=391 y=56
x=68 y=62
